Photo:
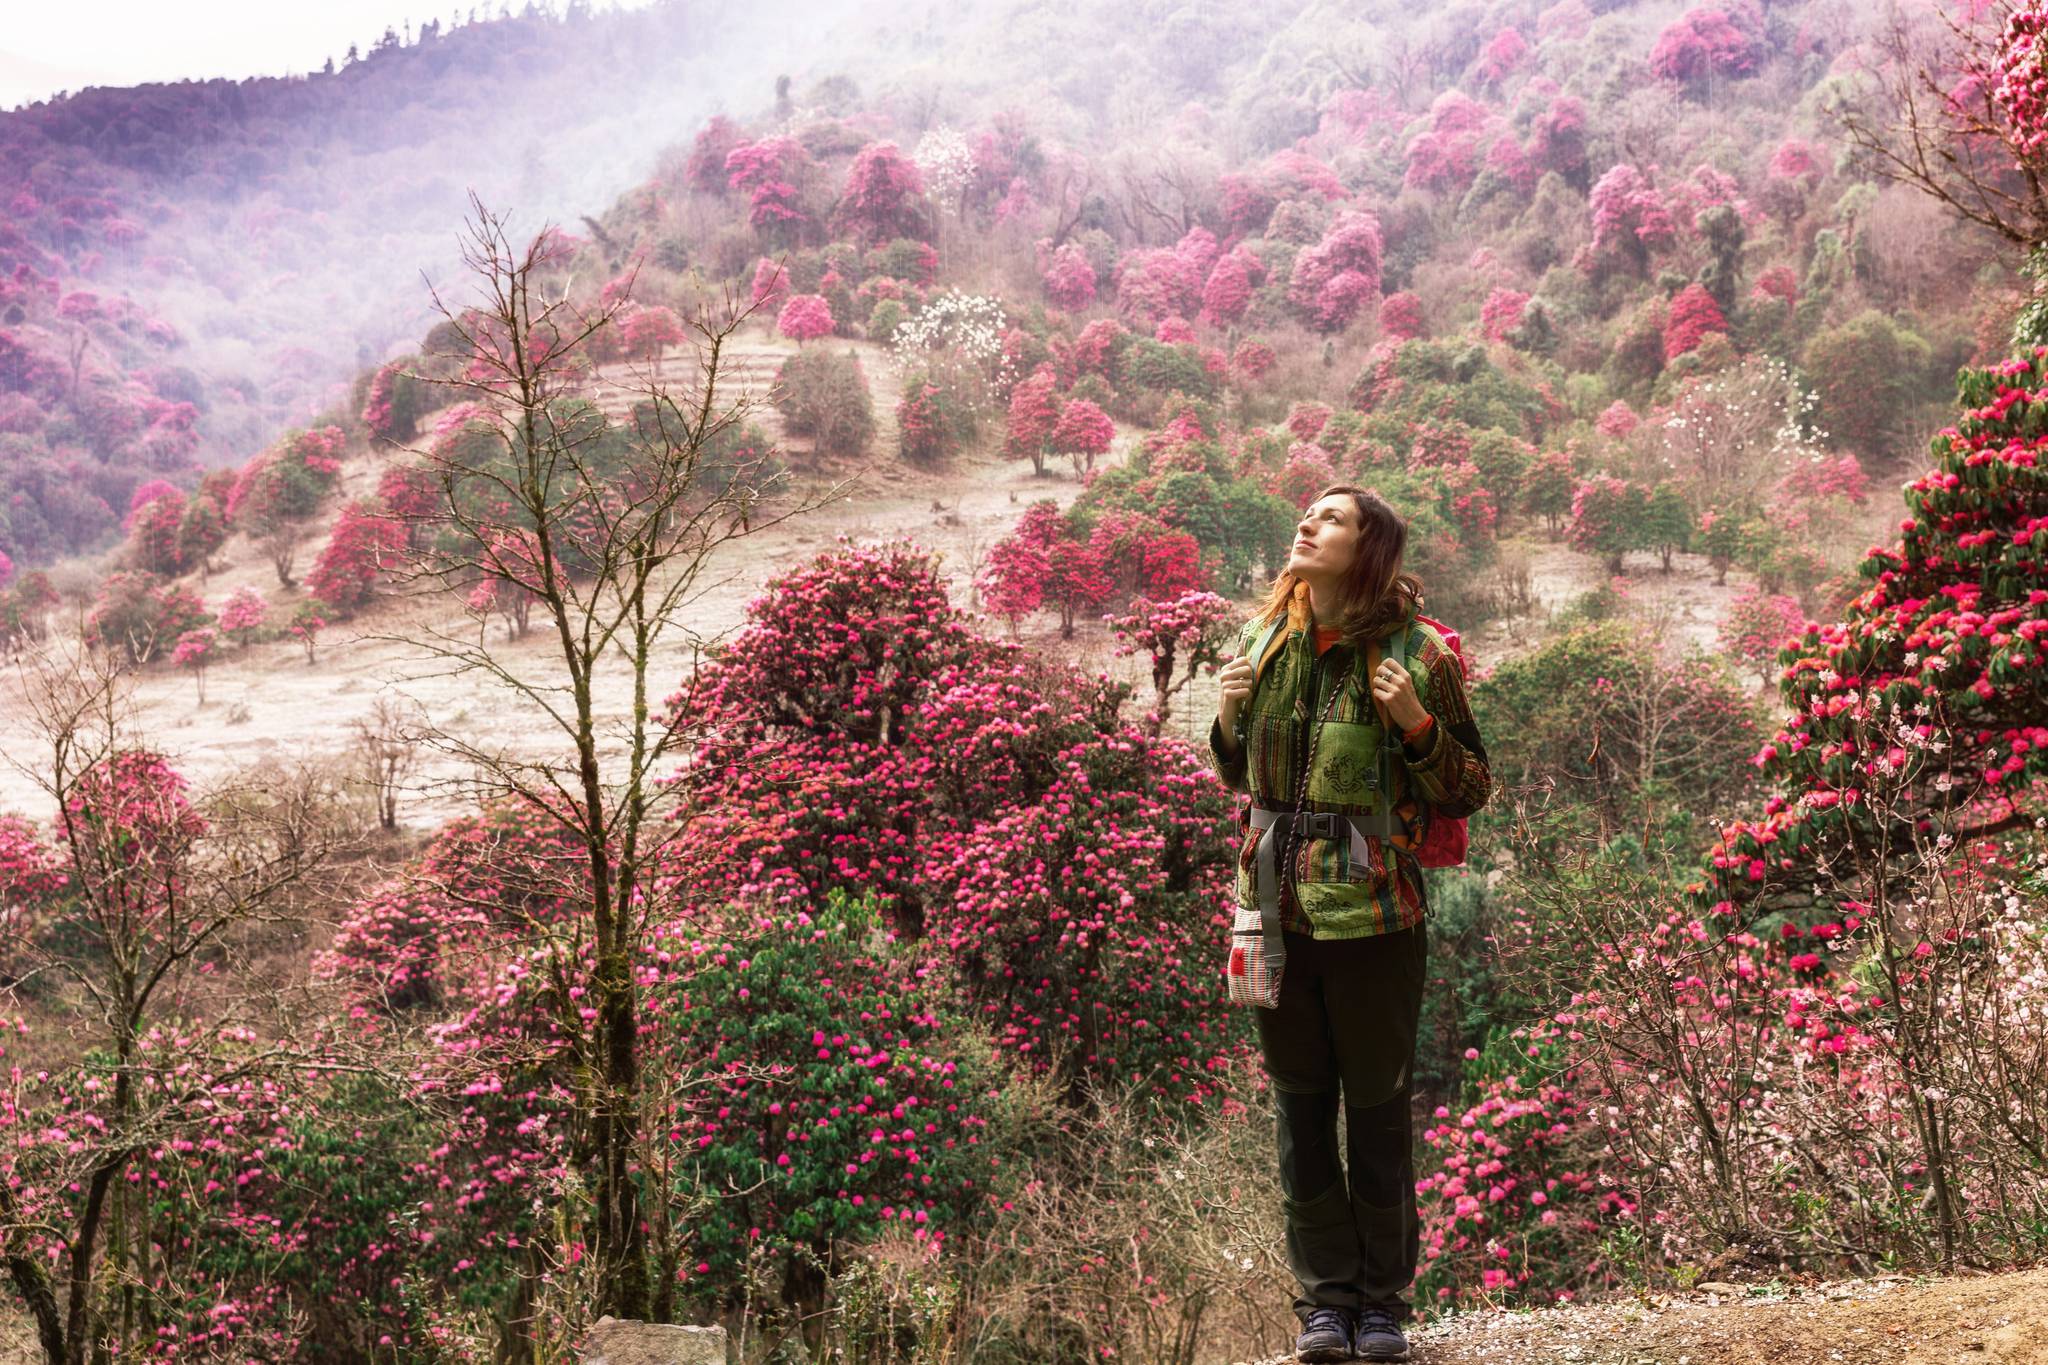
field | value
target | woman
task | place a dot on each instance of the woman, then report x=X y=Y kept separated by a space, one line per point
x=1309 y=738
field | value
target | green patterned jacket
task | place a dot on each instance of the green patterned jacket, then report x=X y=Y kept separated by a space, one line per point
x=1324 y=892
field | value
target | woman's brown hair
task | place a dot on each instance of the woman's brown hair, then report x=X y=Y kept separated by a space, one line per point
x=1376 y=594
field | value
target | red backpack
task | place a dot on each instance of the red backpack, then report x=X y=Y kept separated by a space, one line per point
x=1443 y=836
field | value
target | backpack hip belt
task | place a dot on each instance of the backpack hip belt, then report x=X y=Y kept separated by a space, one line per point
x=1308 y=824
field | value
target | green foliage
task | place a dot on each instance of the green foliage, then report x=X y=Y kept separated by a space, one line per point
x=1637 y=355
x=866 y=1041
x=825 y=396
x=1722 y=234
x=886 y=316
x=1866 y=374
x=1502 y=460
x=1465 y=994
x=1163 y=368
x=1458 y=381
x=1601 y=713
x=1667 y=523
x=2030 y=325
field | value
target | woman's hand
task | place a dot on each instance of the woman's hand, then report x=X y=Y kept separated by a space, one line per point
x=1393 y=689
x=1236 y=677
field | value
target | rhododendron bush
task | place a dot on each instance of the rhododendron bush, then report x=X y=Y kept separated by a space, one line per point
x=1058 y=853
x=1933 y=680
x=1864 y=1081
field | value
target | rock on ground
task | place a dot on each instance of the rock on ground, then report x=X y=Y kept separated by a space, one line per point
x=615 y=1341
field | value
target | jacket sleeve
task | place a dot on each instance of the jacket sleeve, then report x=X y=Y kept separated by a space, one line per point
x=1231 y=769
x=1450 y=770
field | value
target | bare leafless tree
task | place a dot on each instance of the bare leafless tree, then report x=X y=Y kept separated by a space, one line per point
x=387 y=749
x=610 y=525
x=1926 y=116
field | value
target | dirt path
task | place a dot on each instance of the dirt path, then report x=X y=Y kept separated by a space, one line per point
x=1992 y=1320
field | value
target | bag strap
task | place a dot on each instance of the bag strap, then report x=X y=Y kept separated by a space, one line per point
x=1265 y=640
x=1391 y=741
x=1388 y=738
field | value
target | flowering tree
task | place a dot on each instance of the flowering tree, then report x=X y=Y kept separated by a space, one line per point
x=1510 y=1196
x=1181 y=636
x=1700 y=46
x=1503 y=56
x=946 y=162
x=1446 y=155
x=1335 y=279
x=1502 y=313
x=1629 y=217
x=194 y=651
x=1068 y=277
x=1082 y=432
x=928 y=767
x=364 y=548
x=1228 y=291
x=1693 y=314
x=242 y=615
x=964 y=333
x=1607 y=519
x=771 y=284
x=1075 y=582
x=162 y=1066
x=1756 y=623
x=408 y=494
x=883 y=196
x=152 y=526
x=1012 y=580
x=1161 y=282
x=394 y=400
x=1144 y=557
x=1252 y=360
x=705 y=168
x=1401 y=316
x=772 y=172
x=1034 y=417
x=278 y=490
x=805 y=317
x=1930 y=688
x=1617 y=420
x=650 y=330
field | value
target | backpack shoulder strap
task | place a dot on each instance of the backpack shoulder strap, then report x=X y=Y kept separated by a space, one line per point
x=1264 y=643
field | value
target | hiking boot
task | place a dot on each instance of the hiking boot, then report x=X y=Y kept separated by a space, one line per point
x=1325 y=1335
x=1378 y=1336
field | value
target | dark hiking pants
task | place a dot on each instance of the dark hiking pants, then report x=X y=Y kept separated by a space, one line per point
x=1344 y=1032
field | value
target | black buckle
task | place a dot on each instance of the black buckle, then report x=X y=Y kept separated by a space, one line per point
x=1319 y=824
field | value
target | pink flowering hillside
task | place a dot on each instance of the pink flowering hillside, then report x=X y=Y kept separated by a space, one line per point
x=638 y=746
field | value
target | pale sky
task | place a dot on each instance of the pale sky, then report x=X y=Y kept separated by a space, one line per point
x=47 y=47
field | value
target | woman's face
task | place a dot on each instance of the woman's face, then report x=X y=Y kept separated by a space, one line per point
x=1325 y=539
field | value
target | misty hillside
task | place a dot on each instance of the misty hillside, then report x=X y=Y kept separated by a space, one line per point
x=191 y=267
